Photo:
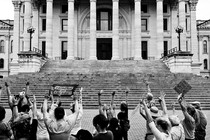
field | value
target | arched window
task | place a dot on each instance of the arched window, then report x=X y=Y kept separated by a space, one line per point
x=11 y=49
x=1 y=63
x=2 y=46
x=204 y=46
x=205 y=64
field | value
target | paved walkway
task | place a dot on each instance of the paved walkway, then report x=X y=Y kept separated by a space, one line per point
x=138 y=126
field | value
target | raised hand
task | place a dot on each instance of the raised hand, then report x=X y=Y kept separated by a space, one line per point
x=162 y=96
x=27 y=84
x=100 y=92
x=6 y=85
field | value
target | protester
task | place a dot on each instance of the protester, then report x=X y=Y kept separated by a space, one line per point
x=82 y=135
x=100 y=123
x=5 y=130
x=115 y=128
x=200 y=121
x=161 y=130
x=123 y=117
x=60 y=127
x=189 y=121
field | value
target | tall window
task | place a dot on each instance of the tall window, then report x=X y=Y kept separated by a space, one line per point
x=165 y=43
x=64 y=25
x=205 y=64
x=1 y=63
x=2 y=46
x=143 y=24
x=165 y=24
x=205 y=46
x=43 y=48
x=64 y=9
x=43 y=24
x=11 y=47
x=44 y=9
x=144 y=8
x=104 y=19
x=165 y=8
x=64 y=50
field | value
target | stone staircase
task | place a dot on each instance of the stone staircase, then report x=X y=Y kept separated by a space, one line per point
x=109 y=76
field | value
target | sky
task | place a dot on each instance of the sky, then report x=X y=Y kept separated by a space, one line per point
x=203 y=9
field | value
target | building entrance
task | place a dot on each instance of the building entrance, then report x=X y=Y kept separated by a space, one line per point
x=104 y=48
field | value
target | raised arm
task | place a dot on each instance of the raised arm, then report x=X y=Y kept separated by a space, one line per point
x=162 y=102
x=73 y=117
x=126 y=95
x=27 y=89
x=34 y=108
x=99 y=102
x=142 y=112
x=151 y=123
x=9 y=96
x=15 y=109
x=182 y=104
x=45 y=108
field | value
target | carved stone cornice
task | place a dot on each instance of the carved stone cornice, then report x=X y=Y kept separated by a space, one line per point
x=17 y=5
x=36 y=4
x=193 y=4
x=93 y=0
x=159 y=0
x=174 y=5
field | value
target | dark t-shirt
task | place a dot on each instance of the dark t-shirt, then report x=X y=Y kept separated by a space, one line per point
x=104 y=136
x=117 y=132
x=203 y=121
x=33 y=129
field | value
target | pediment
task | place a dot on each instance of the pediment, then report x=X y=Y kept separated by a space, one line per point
x=4 y=25
x=204 y=25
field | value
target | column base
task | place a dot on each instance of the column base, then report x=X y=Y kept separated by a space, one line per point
x=93 y=58
x=137 y=58
x=115 y=58
x=70 y=58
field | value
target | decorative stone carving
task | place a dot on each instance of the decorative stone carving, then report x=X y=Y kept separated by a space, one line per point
x=17 y=5
x=36 y=4
x=174 y=5
x=193 y=4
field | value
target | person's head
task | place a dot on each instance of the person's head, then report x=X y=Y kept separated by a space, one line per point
x=59 y=113
x=163 y=124
x=100 y=122
x=175 y=121
x=191 y=110
x=2 y=112
x=196 y=104
x=114 y=122
x=83 y=135
x=25 y=108
x=149 y=96
x=123 y=106
x=154 y=111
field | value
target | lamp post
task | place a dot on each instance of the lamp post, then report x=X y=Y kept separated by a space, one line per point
x=179 y=30
x=30 y=30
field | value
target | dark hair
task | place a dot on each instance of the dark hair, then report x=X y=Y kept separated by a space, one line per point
x=2 y=112
x=191 y=110
x=114 y=123
x=84 y=135
x=123 y=107
x=25 y=108
x=101 y=121
x=59 y=113
x=164 y=124
x=73 y=108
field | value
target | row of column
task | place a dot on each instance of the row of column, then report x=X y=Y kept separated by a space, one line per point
x=115 y=46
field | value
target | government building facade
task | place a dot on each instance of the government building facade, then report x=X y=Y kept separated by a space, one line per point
x=102 y=29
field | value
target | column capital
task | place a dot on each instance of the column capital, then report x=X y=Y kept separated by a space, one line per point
x=7 y=37
x=17 y=5
x=193 y=4
x=115 y=0
x=70 y=0
x=49 y=0
x=159 y=0
x=93 y=0
x=137 y=0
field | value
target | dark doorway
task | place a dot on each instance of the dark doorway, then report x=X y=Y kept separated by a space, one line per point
x=43 y=48
x=144 y=53
x=165 y=49
x=104 y=48
x=64 y=50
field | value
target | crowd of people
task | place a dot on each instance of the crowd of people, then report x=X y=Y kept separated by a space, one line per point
x=51 y=121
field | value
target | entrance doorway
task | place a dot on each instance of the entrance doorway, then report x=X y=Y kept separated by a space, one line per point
x=144 y=50
x=104 y=48
x=63 y=50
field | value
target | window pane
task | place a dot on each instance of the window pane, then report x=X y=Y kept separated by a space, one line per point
x=165 y=24
x=165 y=8
x=144 y=24
x=64 y=45
x=64 y=24
x=104 y=15
x=43 y=24
x=44 y=9
x=104 y=25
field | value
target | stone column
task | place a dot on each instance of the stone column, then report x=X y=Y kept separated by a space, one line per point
x=115 y=23
x=16 y=30
x=35 y=24
x=182 y=23
x=93 y=30
x=137 y=53
x=27 y=24
x=49 y=29
x=7 y=53
x=159 y=16
x=194 y=39
x=174 y=24
x=70 y=29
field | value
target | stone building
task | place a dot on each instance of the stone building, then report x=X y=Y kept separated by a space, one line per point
x=203 y=28
x=104 y=29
